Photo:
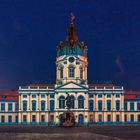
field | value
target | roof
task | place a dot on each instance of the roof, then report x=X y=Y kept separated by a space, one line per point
x=132 y=95
x=8 y=96
x=41 y=85
x=92 y=85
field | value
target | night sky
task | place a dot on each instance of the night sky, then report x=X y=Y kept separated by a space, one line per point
x=30 y=30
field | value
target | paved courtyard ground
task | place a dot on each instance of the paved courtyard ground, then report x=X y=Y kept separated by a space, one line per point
x=95 y=132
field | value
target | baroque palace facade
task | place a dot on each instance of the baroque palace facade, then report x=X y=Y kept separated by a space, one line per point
x=91 y=103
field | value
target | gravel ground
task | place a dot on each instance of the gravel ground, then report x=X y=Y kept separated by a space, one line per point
x=95 y=132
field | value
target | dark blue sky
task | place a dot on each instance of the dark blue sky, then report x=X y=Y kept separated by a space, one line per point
x=31 y=29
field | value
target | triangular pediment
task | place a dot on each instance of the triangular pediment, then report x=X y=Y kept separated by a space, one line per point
x=71 y=85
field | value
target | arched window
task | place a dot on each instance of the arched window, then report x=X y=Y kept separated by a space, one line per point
x=24 y=105
x=71 y=71
x=72 y=101
x=108 y=105
x=33 y=105
x=100 y=105
x=117 y=105
x=81 y=73
x=61 y=102
x=61 y=72
x=51 y=105
x=80 y=102
x=91 y=105
x=43 y=103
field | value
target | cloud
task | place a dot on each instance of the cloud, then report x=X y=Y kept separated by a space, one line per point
x=120 y=66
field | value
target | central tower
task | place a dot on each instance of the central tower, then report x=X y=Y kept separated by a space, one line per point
x=71 y=60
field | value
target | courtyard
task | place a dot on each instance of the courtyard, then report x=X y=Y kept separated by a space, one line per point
x=94 y=132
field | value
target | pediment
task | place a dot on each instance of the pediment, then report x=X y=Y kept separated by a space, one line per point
x=71 y=85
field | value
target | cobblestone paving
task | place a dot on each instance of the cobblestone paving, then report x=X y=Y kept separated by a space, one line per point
x=95 y=132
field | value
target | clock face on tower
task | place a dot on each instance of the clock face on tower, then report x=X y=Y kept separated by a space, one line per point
x=71 y=59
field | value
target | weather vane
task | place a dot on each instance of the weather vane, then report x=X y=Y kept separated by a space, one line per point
x=72 y=17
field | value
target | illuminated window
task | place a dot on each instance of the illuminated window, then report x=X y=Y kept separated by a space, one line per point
x=80 y=102
x=91 y=104
x=138 y=106
x=100 y=105
x=24 y=118
x=52 y=105
x=24 y=105
x=72 y=101
x=33 y=105
x=24 y=96
x=42 y=118
x=2 y=106
x=16 y=106
x=109 y=105
x=33 y=118
x=2 y=119
x=131 y=106
x=43 y=105
x=33 y=96
x=71 y=71
x=9 y=119
x=62 y=102
x=9 y=106
x=132 y=118
x=108 y=118
x=117 y=105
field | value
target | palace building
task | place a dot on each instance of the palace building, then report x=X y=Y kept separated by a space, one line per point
x=97 y=103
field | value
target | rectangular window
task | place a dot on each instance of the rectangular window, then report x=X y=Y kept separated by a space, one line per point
x=42 y=118
x=42 y=105
x=24 y=96
x=52 y=96
x=117 y=95
x=131 y=106
x=117 y=105
x=51 y=118
x=33 y=118
x=2 y=106
x=16 y=106
x=100 y=118
x=117 y=118
x=91 y=96
x=91 y=104
x=33 y=96
x=71 y=72
x=108 y=118
x=125 y=106
x=9 y=119
x=91 y=118
x=100 y=96
x=16 y=119
x=52 y=105
x=125 y=118
x=132 y=118
x=100 y=105
x=24 y=118
x=2 y=119
x=138 y=117
x=138 y=106
x=9 y=106
x=108 y=105
x=108 y=95
x=42 y=95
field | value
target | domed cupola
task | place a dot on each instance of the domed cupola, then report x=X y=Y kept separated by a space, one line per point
x=72 y=45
